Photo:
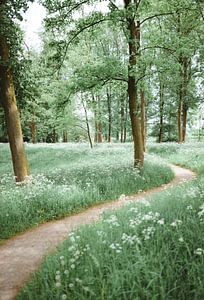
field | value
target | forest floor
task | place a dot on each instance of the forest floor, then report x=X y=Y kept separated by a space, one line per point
x=20 y=256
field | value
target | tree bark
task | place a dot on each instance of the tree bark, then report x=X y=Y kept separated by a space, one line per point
x=125 y=121
x=143 y=118
x=134 y=38
x=109 y=116
x=185 y=109
x=87 y=124
x=122 y=115
x=180 y=109
x=8 y=102
x=161 y=112
x=185 y=105
x=65 y=136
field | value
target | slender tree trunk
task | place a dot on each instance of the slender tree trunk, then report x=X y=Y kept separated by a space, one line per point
x=97 y=117
x=87 y=124
x=143 y=118
x=96 y=129
x=8 y=102
x=185 y=106
x=109 y=116
x=65 y=136
x=161 y=112
x=54 y=136
x=184 y=123
x=169 y=122
x=180 y=109
x=125 y=121
x=122 y=116
x=134 y=38
x=99 y=134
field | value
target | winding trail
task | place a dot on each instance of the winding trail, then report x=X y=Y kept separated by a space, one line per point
x=20 y=256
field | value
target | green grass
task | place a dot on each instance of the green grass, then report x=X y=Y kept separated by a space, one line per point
x=69 y=178
x=147 y=251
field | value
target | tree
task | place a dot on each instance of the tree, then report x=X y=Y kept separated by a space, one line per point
x=7 y=92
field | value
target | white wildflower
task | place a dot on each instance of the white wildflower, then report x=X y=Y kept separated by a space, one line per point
x=189 y=207
x=122 y=197
x=57 y=277
x=160 y=222
x=58 y=284
x=199 y=251
x=181 y=239
x=176 y=223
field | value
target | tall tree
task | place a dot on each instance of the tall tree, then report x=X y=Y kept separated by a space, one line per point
x=7 y=93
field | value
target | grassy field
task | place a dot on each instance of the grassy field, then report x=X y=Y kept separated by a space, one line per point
x=146 y=251
x=68 y=178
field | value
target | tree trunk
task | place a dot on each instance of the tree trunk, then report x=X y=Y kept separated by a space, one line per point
x=184 y=123
x=122 y=115
x=185 y=106
x=8 y=102
x=180 y=109
x=134 y=38
x=109 y=116
x=65 y=136
x=125 y=121
x=87 y=124
x=161 y=112
x=99 y=133
x=143 y=118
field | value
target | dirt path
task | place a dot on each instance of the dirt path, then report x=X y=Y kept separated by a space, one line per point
x=23 y=254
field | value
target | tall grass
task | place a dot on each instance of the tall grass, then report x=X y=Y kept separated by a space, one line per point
x=69 y=178
x=148 y=251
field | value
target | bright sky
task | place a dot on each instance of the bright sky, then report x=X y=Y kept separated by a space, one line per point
x=32 y=25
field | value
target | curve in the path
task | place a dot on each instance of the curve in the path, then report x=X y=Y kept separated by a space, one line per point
x=23 y=254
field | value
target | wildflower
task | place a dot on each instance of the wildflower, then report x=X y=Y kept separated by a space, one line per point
x=71 y=285
x=66 y=272
x=58 y=284
x=160 y=222
x=144 y=202
x=72 y=266
x=57 y=277
x=78 y=280
x=181 y=239
x=112 y=221
x=199 y=251
x=176 y=223
x=122 y=197
x=133 y=209
x=130 y=239
x=62 y=262
x=64 y=297
x=116 y=247
x=148 y=232
x=189 y=207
